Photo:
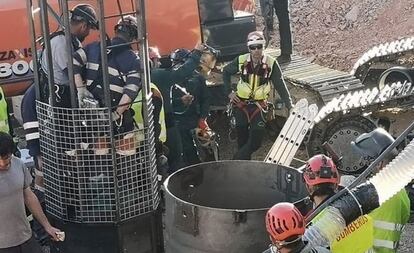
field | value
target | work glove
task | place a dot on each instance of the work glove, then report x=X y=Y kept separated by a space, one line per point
x=116 y=116
x=205 y=130
x=82 y=94
x=202 y=124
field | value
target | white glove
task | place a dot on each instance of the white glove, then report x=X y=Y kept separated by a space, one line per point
x=115 y=116
x=82 y=94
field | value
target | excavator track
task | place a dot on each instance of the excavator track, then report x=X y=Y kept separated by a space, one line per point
x=381 y=56
x=328 y=83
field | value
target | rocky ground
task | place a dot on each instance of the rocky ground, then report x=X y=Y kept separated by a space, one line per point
x=336 y=33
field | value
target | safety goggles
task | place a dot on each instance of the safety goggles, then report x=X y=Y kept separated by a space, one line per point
x=256 y=47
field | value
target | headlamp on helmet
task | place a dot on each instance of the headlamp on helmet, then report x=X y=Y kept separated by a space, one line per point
x=320 y=169
x=256 y=38
x=128 y=25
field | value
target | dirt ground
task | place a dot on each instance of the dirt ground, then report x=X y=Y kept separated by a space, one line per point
x=335 y=33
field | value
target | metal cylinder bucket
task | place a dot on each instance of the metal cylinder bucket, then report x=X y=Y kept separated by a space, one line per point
x=220 y=206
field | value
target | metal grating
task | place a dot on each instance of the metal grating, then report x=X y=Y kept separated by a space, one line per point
x=89 y=187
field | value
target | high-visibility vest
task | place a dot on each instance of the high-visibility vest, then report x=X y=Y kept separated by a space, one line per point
x=4 y=117
x=357 y=237
x=255 y=86
x=139 y=119
x=389 y=221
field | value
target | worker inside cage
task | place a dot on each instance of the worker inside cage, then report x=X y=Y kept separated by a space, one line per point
x=124 y=80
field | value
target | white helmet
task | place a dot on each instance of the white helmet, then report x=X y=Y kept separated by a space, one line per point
x=128 y=24
x=256 y=38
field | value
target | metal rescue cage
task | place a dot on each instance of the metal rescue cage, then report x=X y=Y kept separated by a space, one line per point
x=83 y=186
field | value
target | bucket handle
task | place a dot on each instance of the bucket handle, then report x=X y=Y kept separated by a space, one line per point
x=240 y=216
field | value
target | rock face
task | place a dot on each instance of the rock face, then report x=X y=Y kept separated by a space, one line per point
x=337 y=32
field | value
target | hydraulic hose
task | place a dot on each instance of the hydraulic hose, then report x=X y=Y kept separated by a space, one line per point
x=396 y=175
x=362 y=199
x=363 y=177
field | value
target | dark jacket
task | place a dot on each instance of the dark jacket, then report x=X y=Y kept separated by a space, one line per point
x=30 y=122
x=166 y=78
x=123 y=70
x=199 y=108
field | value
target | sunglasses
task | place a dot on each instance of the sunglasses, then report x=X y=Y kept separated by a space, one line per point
x=256 y=47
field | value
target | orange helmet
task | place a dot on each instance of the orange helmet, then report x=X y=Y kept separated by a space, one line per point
x=320 y=169
x=283 y=221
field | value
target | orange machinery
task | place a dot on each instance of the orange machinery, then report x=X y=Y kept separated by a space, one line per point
x=170 y=25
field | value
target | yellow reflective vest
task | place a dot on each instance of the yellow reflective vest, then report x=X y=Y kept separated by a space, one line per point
x=139 y=119
x=357 y=237
x=389 y=221
x=4 y=117
x=254 y=82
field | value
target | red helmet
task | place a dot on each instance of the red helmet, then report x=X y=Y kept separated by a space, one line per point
x=284 y=220
x=320 y=169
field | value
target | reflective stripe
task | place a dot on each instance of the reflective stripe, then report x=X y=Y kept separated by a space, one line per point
x=132 y=87
x=32 y=124
x=92 y=66
x=75 y=62
x=4 y=117
x=82 y=54
x=32 y=136
x=89 y=82
x=388 y=225
x=113 y=71
x=116 y=73
x=116 y=88
x=134 y=74
x=384 y=243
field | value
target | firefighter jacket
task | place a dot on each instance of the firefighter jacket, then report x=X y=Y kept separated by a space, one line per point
x=30 y=122
x=123 y=70
x=4 y=115
x=389 y=221
x=159 y=115
x=254 y=83
x=166 y=78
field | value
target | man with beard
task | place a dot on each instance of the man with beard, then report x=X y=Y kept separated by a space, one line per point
x=82 y=20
